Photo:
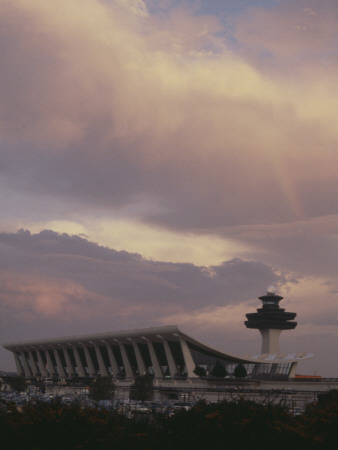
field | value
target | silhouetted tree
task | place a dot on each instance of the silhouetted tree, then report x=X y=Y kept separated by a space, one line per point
x=328 y=398
x=219 y=370
x=240 y=371
x=142 y=388
x=102 y=389
x=200 y=371
x=18 y=383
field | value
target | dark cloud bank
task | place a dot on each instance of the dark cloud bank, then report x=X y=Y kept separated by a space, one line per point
x=128 y=276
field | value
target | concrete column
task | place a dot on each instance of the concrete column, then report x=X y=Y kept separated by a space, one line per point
x=170 y=359
x=59 y=365
x=41 y=364
x=90 y=364
x=293 y=370
x=126 y=363
x=114 y=367
x=33 y=364
x=270 y=340
x=25 y=365
x=189 y=362
x=69 y=365
x=156 y=366
x=103 y=368
x=19 y=368
x=80 y=369
x=50 y=365
x=140 y=363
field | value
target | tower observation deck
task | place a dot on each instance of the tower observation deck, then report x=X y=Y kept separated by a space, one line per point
x=270 y=320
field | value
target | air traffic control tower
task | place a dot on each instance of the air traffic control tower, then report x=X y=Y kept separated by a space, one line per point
x=271 y=320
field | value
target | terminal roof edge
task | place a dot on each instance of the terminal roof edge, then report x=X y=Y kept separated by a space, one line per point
x=158 y=334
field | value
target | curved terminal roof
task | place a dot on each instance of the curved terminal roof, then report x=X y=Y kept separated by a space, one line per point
x=156 y=334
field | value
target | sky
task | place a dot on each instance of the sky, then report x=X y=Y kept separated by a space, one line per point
x=165 y=161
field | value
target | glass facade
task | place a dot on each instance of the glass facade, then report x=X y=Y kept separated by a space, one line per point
x=106 y=361
x=119 y=361
x=207 y=360
x=52 y=370
x=145 y=355
x=176 y=350
x=72 y=360
x=132 y=358
x=161 y=357
x=63 y=360
x=36 y=361
x=93 y=357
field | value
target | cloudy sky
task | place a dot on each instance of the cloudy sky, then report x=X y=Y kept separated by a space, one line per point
x=164 y=162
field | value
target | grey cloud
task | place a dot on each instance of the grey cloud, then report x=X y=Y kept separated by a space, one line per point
x=129 y=277
x=307 y=247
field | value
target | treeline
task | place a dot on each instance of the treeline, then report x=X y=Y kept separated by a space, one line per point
x=226 y=425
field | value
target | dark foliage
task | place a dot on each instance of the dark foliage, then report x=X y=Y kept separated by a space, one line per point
x=55 y=426
x=321 y=421
x=219 y=370
x=227 y=425
x=102 y=389
x=240 y=371
x=18 y=383
x=233 y=425
x=142 y=388
x=327 y=398
x=200 y=371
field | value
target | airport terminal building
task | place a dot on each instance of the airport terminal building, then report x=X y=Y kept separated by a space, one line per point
x=171 y=358
x=165 y=353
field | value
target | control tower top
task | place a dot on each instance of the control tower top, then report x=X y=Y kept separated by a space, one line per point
x=270 y=320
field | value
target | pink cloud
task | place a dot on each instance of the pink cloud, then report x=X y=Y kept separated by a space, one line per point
x=26 y=297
